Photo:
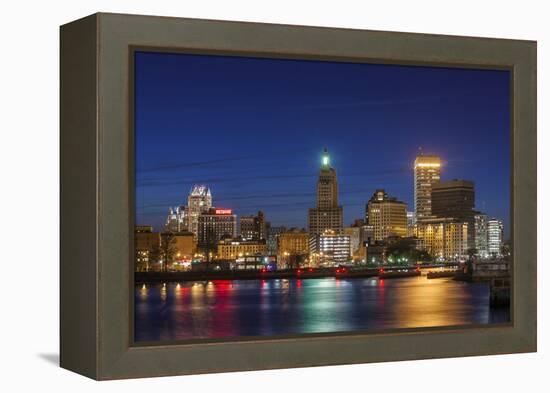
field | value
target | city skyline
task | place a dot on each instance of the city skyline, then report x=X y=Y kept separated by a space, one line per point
x=181 y=138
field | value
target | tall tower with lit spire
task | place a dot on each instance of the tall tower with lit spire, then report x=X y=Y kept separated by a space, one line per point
x=327 y=215
x=427 y=172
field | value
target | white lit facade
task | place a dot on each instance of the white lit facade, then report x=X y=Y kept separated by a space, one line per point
x=481 y=235
x=494 y=237
x=329 y=248
x=177 y=220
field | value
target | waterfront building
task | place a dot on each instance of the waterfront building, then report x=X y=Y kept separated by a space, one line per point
x=329 y=248
x=184 y=244
x=401 y=247
x=273 y=233
x=293 y=244
x=231 y=249
x=427 y=172
x=199 y=201
x=253 y=227
x=214 y=225
x=494 y=237
x=455 y=199
x=443 y=238
x=146 y=241
x=375 y=252
x=255 y=262
x=365 y=233
x=387 y=215
x=327 y=214
x=481 y=235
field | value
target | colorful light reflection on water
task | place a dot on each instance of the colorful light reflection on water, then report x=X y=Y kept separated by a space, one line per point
x=224 y=308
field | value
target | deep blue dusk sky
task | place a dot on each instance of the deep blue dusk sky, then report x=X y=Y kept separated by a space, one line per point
x=253 y=131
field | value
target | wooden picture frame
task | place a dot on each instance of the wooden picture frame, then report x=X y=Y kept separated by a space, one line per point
x=97 y=195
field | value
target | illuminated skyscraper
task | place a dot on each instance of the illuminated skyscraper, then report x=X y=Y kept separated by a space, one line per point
x=327 y=214
x=481 y=236
x=427 y=172
x=199 y=201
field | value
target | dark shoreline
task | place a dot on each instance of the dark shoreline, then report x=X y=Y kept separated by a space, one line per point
x=151 y=277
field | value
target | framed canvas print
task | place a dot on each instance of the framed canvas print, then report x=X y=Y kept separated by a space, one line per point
x=241 y=196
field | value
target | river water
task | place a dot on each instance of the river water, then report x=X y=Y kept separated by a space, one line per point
x=224 y=308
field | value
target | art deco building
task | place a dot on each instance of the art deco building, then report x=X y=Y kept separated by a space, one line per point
x=481 y=235
x=231 y=249
x=253 y=227
x=494 y=237
x=198 y=202
x=442 y=238
x=387 y=215
x=329 y=248
x=327 y=214
x=214 y=225
x=427 y=172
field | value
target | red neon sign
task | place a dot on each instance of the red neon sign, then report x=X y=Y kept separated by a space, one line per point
x=223 y=211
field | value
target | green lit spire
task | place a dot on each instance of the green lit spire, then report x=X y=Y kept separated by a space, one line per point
x=326 y=158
